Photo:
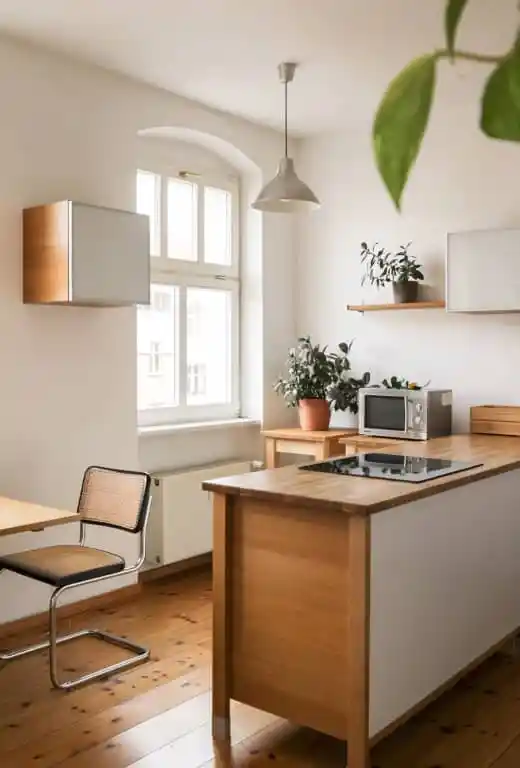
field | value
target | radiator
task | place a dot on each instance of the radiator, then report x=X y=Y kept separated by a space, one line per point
x=180 y=524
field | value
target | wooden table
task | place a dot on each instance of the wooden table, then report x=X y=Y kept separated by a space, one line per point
x=20 y=516
x=320 y=445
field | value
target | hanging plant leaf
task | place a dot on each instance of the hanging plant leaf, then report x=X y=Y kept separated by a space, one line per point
x=500 y=116
x=401 y=121
x=452 y=17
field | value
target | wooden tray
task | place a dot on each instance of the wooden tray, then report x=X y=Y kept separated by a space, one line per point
x=495 y=420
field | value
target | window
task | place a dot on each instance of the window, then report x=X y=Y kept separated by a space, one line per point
x=187 y=340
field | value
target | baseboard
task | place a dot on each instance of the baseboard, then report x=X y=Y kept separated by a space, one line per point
x=40 y=620
x=190 y=564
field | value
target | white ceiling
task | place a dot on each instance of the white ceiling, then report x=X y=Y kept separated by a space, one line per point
x=225 y=52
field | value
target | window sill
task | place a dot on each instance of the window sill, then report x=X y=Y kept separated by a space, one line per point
x=195 y=426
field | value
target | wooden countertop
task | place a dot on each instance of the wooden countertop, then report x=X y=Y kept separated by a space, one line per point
x=364 y=496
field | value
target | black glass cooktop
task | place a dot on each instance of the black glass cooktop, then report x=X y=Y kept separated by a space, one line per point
x=391 y=466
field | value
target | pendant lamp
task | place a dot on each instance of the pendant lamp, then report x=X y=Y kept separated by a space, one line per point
x=286 y=193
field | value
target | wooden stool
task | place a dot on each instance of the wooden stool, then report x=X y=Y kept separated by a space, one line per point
x=320 y=445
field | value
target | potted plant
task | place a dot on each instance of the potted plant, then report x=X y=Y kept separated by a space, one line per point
x=400 y=269
x=317 y=380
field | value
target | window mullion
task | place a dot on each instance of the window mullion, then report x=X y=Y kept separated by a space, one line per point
x=182 y=340
x=200 y=223
x=235 y=348
x=159 y=218
x=164 y=219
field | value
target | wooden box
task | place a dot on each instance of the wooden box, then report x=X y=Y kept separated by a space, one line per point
x=495 y=420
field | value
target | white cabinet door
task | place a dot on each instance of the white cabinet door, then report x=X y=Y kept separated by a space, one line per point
x=483 y=271
x=109 y=256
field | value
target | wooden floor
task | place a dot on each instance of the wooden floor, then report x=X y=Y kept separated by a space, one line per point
x=158 y=715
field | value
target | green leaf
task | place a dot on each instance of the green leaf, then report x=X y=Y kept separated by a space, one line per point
x=500 y=116
x=401 y=121
x=453 y=15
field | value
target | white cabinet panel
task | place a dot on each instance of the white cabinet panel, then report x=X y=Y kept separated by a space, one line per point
x=445 y=572
x=109 y=256
x=483 y=271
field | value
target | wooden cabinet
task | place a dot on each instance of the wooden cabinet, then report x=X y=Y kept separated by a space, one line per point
x=86 y=255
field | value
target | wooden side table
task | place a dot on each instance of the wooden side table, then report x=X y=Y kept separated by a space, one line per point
x=359 y=443
x=320 y=445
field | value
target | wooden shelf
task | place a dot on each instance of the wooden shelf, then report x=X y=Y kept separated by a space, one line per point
x=384 y=307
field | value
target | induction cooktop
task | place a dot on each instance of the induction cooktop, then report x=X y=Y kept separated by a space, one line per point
x=391 y=466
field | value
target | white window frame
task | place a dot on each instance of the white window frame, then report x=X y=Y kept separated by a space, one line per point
x=195 y=274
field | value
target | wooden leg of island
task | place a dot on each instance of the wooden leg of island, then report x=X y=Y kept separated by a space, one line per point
x=291 y=611
x=358 y=646
x=221 y=670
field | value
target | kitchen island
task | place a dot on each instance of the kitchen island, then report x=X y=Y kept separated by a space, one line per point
x=346 y=603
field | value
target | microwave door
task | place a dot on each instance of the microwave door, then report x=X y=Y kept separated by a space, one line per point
x=385 y=415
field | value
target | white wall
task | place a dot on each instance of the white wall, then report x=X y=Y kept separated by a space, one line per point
x=462 y=181
x=68 y=384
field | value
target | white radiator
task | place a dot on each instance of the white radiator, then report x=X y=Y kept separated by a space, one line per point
x=180 y=524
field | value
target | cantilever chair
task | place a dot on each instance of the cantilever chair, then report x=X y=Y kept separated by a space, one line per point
x=109 y=497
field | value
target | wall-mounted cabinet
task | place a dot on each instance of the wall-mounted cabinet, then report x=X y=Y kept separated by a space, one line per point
x=78 y=254
x=483 y=271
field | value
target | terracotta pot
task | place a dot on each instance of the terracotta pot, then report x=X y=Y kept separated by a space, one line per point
x=406 y=292
x=314 y=415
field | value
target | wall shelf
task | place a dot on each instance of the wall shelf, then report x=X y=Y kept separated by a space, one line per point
x=385 y=307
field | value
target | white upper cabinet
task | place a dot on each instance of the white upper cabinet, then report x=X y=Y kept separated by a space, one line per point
x=483 y=271
x=85 y=255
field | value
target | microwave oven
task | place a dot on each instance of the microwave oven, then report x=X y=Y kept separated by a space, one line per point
x=410 y=414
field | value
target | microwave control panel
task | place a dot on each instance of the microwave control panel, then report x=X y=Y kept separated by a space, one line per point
x=416 y=415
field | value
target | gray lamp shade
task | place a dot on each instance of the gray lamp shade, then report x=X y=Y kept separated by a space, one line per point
x=286 y=193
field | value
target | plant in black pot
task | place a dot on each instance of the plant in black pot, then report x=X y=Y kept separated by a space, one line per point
x=318 y=380
x=400 y=269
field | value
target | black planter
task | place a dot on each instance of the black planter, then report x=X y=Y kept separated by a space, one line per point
x=406 y=293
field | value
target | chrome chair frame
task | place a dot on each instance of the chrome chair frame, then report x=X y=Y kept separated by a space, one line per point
x=140 y=652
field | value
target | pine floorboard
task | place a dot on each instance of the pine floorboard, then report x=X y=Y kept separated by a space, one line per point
x=158 y=714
